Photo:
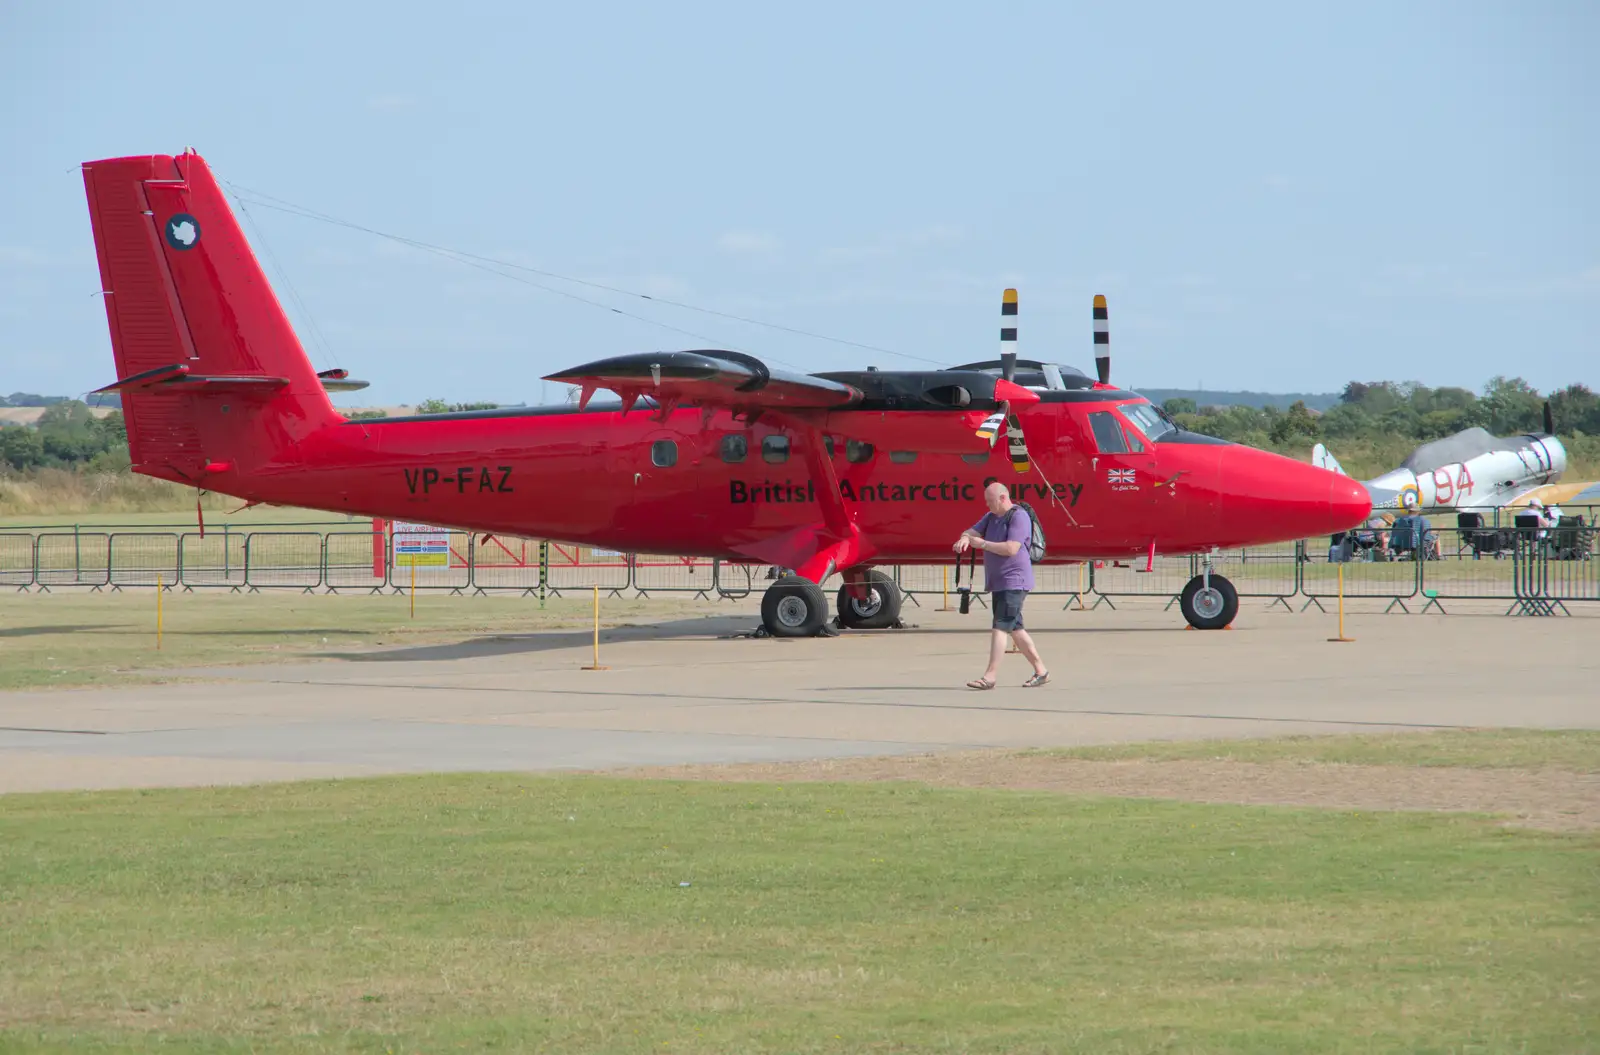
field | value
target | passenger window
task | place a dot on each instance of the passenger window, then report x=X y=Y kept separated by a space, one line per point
x=775 y=450
x=902 y=457
x=857 y=452
x=735 y=447
x=827 y=441
x=976 y=459
x=1107 y=433
x=664 y=454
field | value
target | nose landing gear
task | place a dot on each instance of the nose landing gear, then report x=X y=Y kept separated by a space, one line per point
x=1209 y=602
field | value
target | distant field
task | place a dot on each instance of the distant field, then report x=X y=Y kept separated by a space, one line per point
x=579 y=914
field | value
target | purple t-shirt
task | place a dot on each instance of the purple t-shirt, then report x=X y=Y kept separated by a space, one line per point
x=1007 y=573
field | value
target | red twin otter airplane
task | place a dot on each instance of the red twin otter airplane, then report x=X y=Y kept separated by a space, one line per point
x=707 y=454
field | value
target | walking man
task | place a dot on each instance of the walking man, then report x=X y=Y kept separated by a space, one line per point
x=1002 y=534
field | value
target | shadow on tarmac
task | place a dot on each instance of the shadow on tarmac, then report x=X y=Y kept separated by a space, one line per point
x=547 y=641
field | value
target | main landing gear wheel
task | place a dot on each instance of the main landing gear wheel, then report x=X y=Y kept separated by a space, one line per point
x=1209 y=607
x=794 y=607
x=878 y=610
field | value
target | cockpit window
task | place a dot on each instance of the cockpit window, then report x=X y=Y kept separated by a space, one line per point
x=1148 y=420
x=1107 y=433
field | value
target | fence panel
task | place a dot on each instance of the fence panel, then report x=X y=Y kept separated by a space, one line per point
x=16 y=560
x=734 y=581
x=1395 y=581
x=214 y=560
x=453 y=570
x=1270 y=572
x=504 y=562
x=1072 y=581
x=1549 y=573
x=283 y=559
x=73 y=558
x=1167 y=578
x=1571 y=578
x=1464 y=565
x=659 y=574
x=143 y=558
x=582 y=568
x=348 y=561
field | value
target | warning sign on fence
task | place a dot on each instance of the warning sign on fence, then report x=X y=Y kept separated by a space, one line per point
x=421 y=545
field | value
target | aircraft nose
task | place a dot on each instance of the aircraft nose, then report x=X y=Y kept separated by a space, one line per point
x=1348 y=502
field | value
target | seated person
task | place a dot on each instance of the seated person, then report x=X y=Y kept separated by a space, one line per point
x=1369 y=540
x=1341 y=547
x=1406 y=535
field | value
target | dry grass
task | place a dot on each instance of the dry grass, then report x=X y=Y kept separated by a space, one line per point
x=60 y=491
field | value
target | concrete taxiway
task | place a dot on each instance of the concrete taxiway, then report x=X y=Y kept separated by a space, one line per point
x=680 y=691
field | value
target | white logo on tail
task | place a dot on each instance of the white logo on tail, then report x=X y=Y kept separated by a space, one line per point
x=183 y=231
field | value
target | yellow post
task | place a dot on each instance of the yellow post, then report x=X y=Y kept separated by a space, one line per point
x=1082 y=571
x=1341 y=636
x=946 y=590
x=413 y=587
x=596 y=665
x=160 y=589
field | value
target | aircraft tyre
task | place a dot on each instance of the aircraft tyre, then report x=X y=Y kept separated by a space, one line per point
x=794 y=607
x=1209 y=608
x=880 y=609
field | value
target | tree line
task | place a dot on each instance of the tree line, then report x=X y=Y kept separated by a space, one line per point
x=1388 y=411
x=66 y=436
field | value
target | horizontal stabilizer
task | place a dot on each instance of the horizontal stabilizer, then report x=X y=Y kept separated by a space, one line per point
x=178 y=379
x=706 y=378
x=340 y=381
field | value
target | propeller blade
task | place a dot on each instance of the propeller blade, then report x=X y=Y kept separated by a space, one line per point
x=1102 y=339
x=1008 y=334
x=1017 y=444
x=991 y=425
x=1549 y=420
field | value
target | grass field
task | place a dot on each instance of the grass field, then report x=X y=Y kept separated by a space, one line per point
x=586 y=914
x=1577 y=750
x=79 y=638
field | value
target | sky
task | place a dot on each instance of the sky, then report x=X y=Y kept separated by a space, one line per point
x=1276 y=197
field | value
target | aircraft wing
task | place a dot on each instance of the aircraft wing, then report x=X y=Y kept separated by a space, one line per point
x=708 y=378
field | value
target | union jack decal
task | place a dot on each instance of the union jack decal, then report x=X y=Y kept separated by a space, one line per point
x=1119 y=476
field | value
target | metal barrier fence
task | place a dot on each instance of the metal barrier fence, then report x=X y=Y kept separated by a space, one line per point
x=1535 y=571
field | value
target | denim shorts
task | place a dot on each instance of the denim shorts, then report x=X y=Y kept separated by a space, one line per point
x=1007 y=607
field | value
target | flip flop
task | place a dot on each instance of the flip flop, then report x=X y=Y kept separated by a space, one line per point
x=1036 y=680
x=980 y=683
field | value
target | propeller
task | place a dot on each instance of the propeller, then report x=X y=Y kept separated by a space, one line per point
x=1102 y=339
x=1549 y=420
x=989 y=431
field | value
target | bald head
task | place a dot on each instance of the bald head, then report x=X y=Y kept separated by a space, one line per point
x=997 y=498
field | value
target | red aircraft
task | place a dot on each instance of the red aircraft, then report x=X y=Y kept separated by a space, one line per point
x=706 y=453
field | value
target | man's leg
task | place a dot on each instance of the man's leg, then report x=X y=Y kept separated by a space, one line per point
x=997 y=650
x=1030 y=651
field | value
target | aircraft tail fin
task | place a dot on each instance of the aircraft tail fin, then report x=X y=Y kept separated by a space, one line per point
x=1323 y=458
x=213 y=379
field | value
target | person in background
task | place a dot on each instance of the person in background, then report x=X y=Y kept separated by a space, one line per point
x=1002 y=534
